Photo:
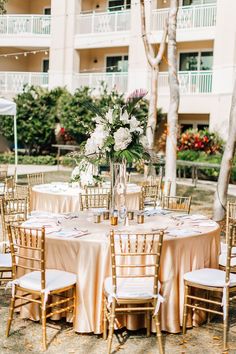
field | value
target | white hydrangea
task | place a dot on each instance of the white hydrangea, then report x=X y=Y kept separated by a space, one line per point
x=96 y=141
x=109 y=116
x=122 y=139
x=124 y=117
x=135 y=125
x=76 y=172
x=144 y=141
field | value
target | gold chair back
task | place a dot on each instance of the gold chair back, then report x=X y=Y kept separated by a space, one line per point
x=180 y=204
x=13 y=210
x=96 y=190
x=28 y=247
x=144 y=251
x=9 y=187
x=231 y=242
x=23 y=191
x=230 y=216
x=94 y=200
x=149 y=195
x=35 y=178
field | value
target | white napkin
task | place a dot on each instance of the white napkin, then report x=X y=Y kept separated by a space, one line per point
x=209 y=223
x=194 y=217
x=182 y=232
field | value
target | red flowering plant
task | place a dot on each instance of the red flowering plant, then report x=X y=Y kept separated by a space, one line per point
x=200 y=140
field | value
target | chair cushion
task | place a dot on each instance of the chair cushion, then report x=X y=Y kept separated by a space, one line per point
x=55 y=279
x=131 y=288
x=223 y=260
x=223 y=247
x=5 y=260
x=209 y=277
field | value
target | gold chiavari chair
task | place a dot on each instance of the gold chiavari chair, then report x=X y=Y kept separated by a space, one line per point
x=9 y=187
x=230 y=220
x=94 y=200
x=213 y=281
x=96 y=190
x=180 y=204
x=28 y=246
x=133 y=286
x=12 y=211
x=36 y=178
x=149 y=196
x=23 y=191
x=3 y=176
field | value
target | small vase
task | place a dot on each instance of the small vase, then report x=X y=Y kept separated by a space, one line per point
x=118 y=188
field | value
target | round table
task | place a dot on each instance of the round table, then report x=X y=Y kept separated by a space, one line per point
x=189 y=244
x=62 y=198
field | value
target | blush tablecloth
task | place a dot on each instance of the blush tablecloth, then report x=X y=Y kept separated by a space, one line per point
x=89 y=257
x=61 y=198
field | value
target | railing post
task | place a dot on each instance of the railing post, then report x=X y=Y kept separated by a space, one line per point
x=7 y=24
x=6 y=83
x=92 y=23
x=116 y=19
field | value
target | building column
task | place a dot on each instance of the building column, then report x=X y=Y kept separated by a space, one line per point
x=138 y=66
x=223 y=65
x=63 y=57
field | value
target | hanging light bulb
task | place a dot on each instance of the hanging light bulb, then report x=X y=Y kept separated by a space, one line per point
x=46 y=52
x=16 y=57
x=34 y=52
x=25 y=54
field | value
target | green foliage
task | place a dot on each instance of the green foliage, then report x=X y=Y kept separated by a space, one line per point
x=75 y=116
x=36 y=116
x=28 y=160
x=3 y=6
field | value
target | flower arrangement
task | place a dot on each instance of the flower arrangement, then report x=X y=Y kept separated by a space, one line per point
x=118 y=134
x=86 y=173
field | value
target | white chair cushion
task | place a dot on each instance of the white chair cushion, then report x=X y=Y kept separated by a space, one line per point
x=131 y=288
x=223 y=247
x=5 y=260
x=209 y=277
x=223 y=260
x=55 y=279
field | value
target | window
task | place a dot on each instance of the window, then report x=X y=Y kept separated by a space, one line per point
x=197 y=2
x=184 y=127
x=45 y=65
x=117 y=63
x=195 y=61
x=47 y=11
x=117 y=5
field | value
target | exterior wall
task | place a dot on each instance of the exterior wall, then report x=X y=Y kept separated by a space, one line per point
x=88 y=56
x=93 y=5
x=27 y=6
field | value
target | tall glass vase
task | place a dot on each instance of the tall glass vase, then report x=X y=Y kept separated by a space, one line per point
x=118 y=189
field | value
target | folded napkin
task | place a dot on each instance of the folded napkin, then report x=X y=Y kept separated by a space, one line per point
x=209 y=223
x=71 y=233
x=182 y=232
x=193 y=217
x=152 y=212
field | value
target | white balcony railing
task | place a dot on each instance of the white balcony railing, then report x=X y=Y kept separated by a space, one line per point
x=190 y=82
x=114 y=81
x=25 y=24
x=13 y=82
x=189 y=17
x=103 y=22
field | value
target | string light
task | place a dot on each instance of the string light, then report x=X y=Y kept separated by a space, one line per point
x=24 y=53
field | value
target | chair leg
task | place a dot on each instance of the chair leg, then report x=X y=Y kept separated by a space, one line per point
x=104 y=318
x=44 y=323
x=111 y=326
x=159 y=335
x=225 y=323
x=11 y=312
x=148 y=319
x=74 y=303
x=185 y=313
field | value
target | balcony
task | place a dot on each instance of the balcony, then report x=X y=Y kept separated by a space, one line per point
x=102 y=29
x=18 y=30
x=113 y=80
x=195 y=18
x=190 y=82
x=12 y=82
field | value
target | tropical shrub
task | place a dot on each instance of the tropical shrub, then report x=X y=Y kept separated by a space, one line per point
x=200 y=140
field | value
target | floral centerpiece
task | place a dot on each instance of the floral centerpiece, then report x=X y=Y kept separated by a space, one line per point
x=118 y=138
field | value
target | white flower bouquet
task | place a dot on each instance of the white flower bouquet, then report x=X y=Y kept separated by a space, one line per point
x=118 y=134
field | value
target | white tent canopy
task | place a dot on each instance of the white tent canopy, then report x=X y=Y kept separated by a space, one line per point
x=9 y=108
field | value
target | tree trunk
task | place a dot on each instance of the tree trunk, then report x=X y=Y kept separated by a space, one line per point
x=152 y=111
x=154 y=62
x=220 y=198
x=172 y=117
